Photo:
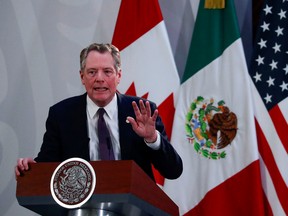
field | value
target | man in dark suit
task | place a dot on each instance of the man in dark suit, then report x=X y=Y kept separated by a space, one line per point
x=137 y=132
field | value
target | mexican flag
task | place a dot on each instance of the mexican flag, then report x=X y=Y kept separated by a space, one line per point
x=148 y=65
x=214 y=128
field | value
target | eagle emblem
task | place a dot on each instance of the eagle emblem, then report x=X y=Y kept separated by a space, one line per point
x=73 y=183
x=210 y=128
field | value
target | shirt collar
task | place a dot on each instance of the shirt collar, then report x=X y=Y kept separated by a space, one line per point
x=110 y=108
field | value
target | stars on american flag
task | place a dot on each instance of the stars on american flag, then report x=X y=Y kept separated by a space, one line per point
x=262 y=43
x=276 y=48
x=268 y=98
x=269 y=69
x=257 y=77
x=284 y=86
x=273 y=65
x=282 y=14
x=279 y=31
x=270 y=81
x=260 y=60
x=286 y=69
x=267 y=10
x=265 y=26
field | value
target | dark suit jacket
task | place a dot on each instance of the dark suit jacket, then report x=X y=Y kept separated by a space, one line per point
x=66 y=136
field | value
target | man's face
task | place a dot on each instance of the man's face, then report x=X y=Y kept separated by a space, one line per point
x=100 y=77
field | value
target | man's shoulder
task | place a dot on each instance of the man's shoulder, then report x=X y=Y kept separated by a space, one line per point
x=130 y=98
x=126 y=101
x=125 y=98
x=71 y=101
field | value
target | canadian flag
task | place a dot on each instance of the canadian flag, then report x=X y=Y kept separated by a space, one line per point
x=148 y=66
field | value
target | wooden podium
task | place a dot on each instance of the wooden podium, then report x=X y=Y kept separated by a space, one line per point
x=122 y=188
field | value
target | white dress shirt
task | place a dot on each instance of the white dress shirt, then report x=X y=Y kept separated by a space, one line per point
x=111 y=118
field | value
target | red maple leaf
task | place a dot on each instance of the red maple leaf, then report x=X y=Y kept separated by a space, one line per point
x=132 y=91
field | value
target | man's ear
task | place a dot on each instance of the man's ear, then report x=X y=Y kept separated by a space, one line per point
x=81 y=77
x=119 y=73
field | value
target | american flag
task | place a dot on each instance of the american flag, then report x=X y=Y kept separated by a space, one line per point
x=269 y=72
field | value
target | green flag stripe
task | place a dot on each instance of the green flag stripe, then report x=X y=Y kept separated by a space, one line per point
x=214 y=31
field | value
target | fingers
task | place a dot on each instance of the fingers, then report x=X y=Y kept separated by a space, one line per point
x=23 y=165
x=136 y=109
x=142 y=112
x=18 y=168
x=143 y=124
x=17 y=172
x=143 y=109
x=132 y=122
x=147 y=108
x=155 y=115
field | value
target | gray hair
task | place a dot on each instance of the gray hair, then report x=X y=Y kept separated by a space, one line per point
x=101 y=48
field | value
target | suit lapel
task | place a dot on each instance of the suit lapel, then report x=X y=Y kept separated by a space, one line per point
x=125 y=131
x=82 y=131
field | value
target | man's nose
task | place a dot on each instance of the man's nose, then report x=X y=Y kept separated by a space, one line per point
x=100 y=75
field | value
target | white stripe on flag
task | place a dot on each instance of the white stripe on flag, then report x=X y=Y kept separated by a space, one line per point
x=149 y=63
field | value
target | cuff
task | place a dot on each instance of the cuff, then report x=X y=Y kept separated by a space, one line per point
x=155 y=145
